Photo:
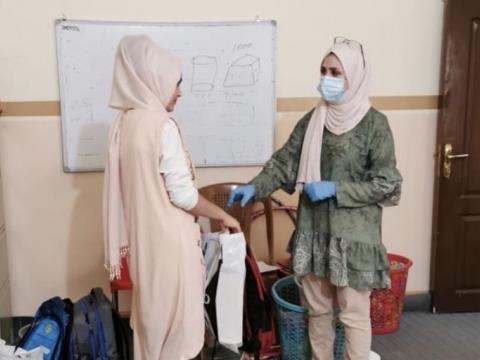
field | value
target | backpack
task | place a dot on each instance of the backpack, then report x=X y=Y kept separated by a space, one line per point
x=98 y=332
x=259 y=332
x=50 y=328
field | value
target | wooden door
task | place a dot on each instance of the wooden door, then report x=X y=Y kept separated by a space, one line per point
x=456 y=240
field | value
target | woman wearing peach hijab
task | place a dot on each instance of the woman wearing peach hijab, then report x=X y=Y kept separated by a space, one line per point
x=341 y=157
x=150 y=204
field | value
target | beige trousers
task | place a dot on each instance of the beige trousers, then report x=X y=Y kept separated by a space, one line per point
x=320 y=298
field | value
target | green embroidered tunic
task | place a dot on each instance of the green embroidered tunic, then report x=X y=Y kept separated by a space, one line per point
x=340 y=238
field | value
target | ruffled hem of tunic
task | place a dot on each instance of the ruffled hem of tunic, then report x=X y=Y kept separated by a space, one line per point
x=358 y=265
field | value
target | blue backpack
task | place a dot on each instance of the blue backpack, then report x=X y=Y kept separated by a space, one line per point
x=50 y=328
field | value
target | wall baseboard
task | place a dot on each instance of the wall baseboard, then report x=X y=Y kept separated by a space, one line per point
x=418 y=302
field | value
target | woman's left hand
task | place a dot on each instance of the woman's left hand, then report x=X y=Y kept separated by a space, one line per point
x=320 y=190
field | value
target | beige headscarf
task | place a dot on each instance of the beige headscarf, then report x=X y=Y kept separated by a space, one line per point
x=144 y=77
x=338 y=117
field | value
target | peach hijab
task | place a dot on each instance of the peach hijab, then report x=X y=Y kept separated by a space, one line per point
x=338 y=117
x=144 y=77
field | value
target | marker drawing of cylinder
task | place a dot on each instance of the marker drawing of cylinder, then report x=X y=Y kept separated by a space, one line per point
x=204 y=73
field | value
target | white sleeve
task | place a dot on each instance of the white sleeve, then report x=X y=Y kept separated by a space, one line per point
x=174 y=169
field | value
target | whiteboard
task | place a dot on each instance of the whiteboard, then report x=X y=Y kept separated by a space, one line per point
x=227 y=109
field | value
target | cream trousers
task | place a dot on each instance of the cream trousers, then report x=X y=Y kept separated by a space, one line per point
x=320 y=298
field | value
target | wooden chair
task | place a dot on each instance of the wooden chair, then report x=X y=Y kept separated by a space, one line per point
x=218 y=194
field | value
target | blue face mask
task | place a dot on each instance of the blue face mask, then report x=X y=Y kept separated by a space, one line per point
x=331 y=88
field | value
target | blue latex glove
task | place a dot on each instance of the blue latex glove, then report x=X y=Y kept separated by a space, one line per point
x=243 y=193
x=320 y=190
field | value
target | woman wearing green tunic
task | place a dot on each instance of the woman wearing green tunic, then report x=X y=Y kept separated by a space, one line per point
x=341 y=158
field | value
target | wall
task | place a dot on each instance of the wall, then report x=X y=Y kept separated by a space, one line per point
x=54 y=219
x=5 y=306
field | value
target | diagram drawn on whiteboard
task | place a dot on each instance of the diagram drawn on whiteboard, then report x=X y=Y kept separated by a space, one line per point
x=204 y=73
x=244 y=71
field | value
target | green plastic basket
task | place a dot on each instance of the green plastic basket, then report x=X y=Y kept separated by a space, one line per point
x=292 y=320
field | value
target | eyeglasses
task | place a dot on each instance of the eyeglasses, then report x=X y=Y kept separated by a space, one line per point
x=343 y=40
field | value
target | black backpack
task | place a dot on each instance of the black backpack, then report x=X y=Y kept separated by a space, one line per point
x=98 y=332
x=259 y=332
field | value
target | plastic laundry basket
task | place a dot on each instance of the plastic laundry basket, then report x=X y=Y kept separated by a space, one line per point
x=386 y=304
x=293 y=323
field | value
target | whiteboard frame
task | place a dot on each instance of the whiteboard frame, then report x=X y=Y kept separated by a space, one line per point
x=59 y=22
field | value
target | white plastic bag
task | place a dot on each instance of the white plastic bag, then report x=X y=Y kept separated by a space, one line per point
x=231 y=284
x=8 y=352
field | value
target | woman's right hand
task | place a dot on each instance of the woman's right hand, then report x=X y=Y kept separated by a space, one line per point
x=230 y=223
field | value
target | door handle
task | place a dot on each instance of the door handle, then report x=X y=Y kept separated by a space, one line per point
x=447 y=160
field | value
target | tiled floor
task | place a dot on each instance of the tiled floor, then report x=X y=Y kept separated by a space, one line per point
x=427 y=336
x=422 y=336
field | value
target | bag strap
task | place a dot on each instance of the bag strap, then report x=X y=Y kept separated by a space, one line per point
x=91 y=338
x=100 y=333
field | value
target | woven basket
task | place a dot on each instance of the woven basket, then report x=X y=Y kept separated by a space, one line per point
x=292 y=323
x=386 y=304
